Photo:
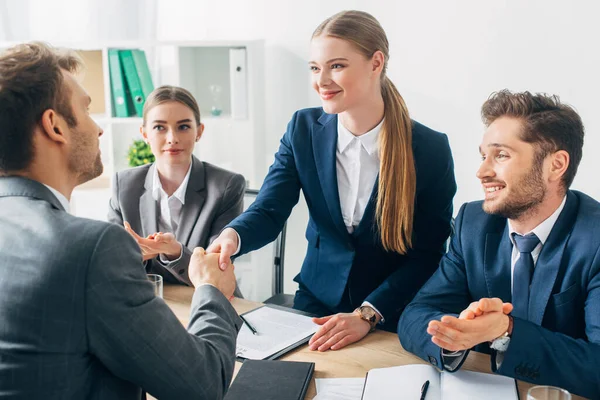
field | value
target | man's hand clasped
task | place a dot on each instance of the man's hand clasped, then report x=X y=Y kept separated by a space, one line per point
x=483 y=321
x=204 y=269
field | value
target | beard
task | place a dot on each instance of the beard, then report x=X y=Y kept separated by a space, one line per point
x=85 y=161
x=525 y=195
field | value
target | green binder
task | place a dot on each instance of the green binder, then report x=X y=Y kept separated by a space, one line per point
x=133 y=80
x=143 y=72
x=122 y=107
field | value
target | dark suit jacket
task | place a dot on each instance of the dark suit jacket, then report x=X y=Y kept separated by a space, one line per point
x=561 y=344
x=213 y=198
x=306 y=161
x=79 y=319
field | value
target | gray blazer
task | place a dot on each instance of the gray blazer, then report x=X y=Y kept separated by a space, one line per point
x=79 y=319
x=214 y=197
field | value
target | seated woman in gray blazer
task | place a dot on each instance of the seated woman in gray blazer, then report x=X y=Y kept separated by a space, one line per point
x=178 y=202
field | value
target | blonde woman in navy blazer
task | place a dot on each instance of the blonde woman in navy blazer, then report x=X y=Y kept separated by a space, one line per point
x=201 y=199
x=378 y=186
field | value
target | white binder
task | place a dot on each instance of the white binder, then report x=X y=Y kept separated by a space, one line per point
x=238 y=77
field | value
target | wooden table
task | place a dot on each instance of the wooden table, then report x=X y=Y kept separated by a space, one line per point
x=378 y=350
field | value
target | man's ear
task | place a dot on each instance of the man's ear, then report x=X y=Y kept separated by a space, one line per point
x=53 y=126
x=559 y=164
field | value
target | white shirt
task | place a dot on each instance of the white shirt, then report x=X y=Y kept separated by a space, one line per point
x=169 y=207
x=61 y=198
x=357 y=166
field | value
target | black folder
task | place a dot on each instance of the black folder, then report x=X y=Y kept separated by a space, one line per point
x=271 y=380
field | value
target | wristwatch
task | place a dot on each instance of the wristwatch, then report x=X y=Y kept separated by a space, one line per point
x=501 y=343
x=368 y=314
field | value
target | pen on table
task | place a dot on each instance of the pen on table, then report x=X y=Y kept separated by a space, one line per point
x=424 y=390
x=248 y=325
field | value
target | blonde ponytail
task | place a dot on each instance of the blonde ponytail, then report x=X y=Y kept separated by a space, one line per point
x=397 y=174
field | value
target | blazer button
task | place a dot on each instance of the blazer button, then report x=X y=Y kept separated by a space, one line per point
x=181 y=271
x=433 y=360
x=519 y=370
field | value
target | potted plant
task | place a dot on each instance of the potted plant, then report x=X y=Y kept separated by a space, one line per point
x=139 y=153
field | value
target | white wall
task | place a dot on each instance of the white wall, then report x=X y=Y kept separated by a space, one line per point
x=77 y=20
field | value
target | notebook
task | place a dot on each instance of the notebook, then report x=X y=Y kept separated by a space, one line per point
x=279 y=330
x=271 y=380
x=406 y=381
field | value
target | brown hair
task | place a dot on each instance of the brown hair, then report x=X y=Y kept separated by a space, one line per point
x=31 y=82
x=164 y=94
x=397 y=175
x=547 y=123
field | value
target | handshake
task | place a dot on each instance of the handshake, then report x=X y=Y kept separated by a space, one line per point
x=205 y=269
x=214 y=266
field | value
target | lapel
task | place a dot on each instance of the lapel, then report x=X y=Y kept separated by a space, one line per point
x=148 y=214
x=195 y=196
x=497 y=261
x=548 y=263
x=324 y=140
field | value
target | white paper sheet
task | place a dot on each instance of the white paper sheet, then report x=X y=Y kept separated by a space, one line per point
x=403 y=382
x=468 y=385
x=406 y=381
x=339 y=388
x=277 y=329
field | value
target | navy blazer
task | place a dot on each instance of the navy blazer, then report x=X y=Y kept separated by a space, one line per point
x=561 y=344
x=306 y=161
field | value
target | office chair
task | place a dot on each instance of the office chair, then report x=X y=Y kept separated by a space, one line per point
x=279 y=298
x=277 y=295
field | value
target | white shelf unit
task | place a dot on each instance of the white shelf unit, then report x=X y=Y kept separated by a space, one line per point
x=233 y=140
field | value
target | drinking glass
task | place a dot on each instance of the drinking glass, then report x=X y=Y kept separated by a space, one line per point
x=157 y=282
x=547 y=393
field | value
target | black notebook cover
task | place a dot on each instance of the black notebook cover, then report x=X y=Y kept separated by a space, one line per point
x=271 y=380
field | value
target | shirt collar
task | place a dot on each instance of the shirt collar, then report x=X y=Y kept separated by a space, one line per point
x=542 y=231
x=157 y=189
x=63 y=200
x=367 y=140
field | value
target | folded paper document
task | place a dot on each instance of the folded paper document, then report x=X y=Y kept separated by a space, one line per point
x=278 y=330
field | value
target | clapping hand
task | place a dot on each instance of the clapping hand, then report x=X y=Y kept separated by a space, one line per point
x=483 y=321
x=155 y=244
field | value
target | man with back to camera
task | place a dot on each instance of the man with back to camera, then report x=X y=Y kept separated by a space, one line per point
x=522 y=276
x=79 y=317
